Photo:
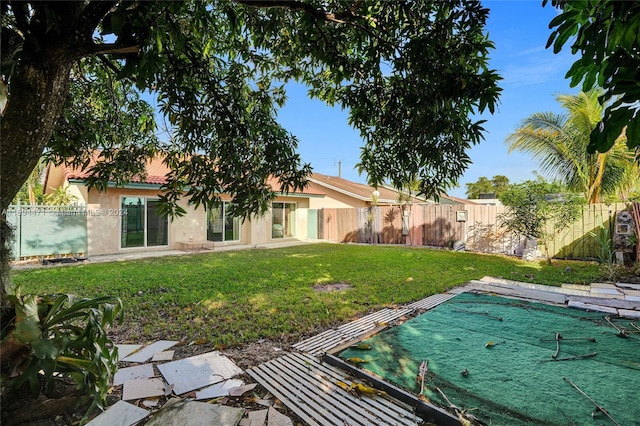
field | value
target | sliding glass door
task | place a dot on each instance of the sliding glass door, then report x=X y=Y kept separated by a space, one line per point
x=141 y=223
x=283 y=220
x=221 y=225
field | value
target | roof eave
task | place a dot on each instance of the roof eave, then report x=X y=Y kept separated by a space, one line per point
x=340 y=190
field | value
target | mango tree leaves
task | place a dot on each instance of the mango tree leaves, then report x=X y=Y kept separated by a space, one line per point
x=607 y=35
x=412 y=75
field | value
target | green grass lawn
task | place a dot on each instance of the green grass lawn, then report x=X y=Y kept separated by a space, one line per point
x=232 y=298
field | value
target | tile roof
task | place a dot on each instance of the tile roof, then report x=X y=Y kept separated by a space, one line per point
x=156 y=171
x=156 y=174
x=358 y=190
x=364 y=192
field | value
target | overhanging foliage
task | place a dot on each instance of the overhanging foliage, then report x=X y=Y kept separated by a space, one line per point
x=607 y=35
x=410 y=73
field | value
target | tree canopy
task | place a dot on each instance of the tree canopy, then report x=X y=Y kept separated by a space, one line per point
x=497 y=185
x=607 y=35
x=79 y=75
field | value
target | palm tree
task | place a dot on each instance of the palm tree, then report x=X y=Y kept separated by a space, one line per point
x=32 y=190
x=60 y=197
x=559 y=143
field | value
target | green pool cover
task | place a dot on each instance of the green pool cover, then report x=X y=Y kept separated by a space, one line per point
x=507 y=348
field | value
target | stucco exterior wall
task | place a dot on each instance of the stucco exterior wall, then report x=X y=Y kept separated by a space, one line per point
x=105 y=214
x=261 y=226
x=55 y=179
x=332 y=199
x=80 y=192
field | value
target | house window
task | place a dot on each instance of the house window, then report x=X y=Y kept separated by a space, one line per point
x=283 y=220
x=142 y=224
x=221 y=225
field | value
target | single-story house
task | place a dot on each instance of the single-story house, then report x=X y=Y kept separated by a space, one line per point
x=126 y=218
x=343 y=193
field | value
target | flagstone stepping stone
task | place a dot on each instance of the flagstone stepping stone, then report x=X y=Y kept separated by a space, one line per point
x=146 y=353
x=198 y=371
x=120 y=414
x=144 y=371
x=193 y=413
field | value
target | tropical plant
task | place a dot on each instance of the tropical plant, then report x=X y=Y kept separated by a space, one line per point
x=32 y=191
x=539 y=210
x=559 y=143
x=61 y=335
x=606 y=254
x=60 y=197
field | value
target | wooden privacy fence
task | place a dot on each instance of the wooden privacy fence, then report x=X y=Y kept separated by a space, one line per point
x=576 y=241
x=475 y=227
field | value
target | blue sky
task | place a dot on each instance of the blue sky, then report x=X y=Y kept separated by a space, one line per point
x=532 y=79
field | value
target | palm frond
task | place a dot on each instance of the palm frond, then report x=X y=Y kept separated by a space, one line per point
x=558 y=143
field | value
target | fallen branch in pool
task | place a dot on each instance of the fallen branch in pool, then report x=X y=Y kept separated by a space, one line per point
x=486 y=314
x=422 y=373
x=451 y=405
x=598 y=407
x=569 y=420
x=572 y=358
x=621 y=331
x=589 y=339
x=558 y=337
x=464 y=418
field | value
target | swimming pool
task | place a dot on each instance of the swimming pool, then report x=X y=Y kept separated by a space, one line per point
x=494 y=358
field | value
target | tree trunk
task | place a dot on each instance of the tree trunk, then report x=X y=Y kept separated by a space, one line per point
x=38 y=92
x=6 y=251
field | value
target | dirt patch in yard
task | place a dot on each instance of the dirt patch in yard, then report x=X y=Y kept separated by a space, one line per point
x=328 y=288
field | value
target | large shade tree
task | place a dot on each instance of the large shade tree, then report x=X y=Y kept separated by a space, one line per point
x=559 y=143
x=411 y=73
x=77 y=76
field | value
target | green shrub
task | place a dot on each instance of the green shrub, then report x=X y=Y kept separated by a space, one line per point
x=607 y=253
x=63 y=335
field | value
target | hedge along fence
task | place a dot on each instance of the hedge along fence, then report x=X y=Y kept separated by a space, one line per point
x=441 y=225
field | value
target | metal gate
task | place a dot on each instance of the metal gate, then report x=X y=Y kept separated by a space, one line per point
x=48 y=230
x=312 y=224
